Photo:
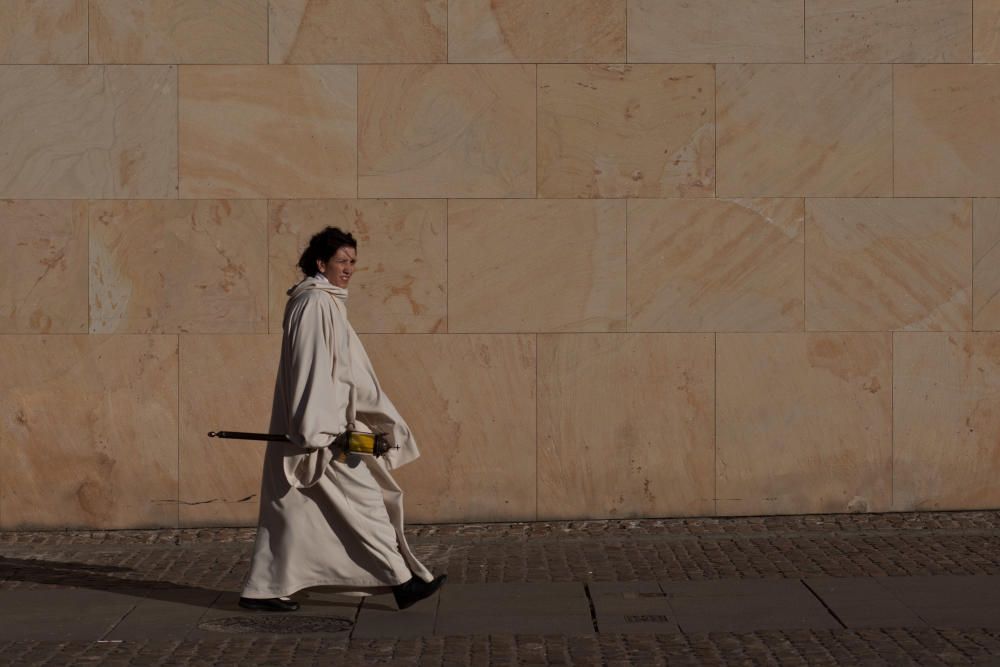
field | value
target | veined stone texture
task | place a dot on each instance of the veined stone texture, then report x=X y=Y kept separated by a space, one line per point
x=888 y=31
x=43 y=266
x=804 y=130
x=399 y=283
x=986 y=265
x=804 y=422
x=446 y=131
x=89 y=431
x=986 y=31
x=529 y=265
x=178 y=266
x=888 y=264
x=226 y=384
x=255 y=131
x=625 y=131
x=178 y=31
x=715 y=31
x=43 y=32
x=946 y=421
x=715 y=264
x=470 y=401
x=625 y=425
x=947 y=130
x=353 y=31
x=538 y=32
x=79 y=131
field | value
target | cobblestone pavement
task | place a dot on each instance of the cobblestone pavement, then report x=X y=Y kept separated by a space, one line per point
x=858 y=545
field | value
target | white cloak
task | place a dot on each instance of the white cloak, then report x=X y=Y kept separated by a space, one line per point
x=327 y=519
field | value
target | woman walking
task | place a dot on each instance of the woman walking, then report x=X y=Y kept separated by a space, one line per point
x=328 y=517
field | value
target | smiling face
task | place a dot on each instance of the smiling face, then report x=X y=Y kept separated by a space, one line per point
x=340 y=267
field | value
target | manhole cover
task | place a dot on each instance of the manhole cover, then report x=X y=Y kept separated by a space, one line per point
x=276 y=625
x=647 y=618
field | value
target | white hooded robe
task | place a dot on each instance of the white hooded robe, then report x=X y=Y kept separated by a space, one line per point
x=327 y=519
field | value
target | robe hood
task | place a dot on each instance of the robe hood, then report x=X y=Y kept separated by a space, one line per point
x=317 y=282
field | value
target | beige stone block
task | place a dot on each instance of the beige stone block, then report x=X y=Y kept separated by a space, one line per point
x=88 y=431
x=178 y=266
x=709 y=31
x=888 y=264
x=986 y=31
x=888 y=31
x=536 y=265
x=715 y=265
x=73 y=131
x=43 y=32
x=946 y=130
x=268 y=131
x=178 y=31
x=400 y=278
x=625 y=425
x=946 y=421
x=625 y=131
x=804 y=130
x=226 y=384
x=535 y=32
x=804 y=422
x=446 y=131
x=470 y=401
x=986 y=265
x=353 y=31
x=43 y=266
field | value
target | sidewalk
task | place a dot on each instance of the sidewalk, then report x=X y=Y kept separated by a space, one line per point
x=837 y=589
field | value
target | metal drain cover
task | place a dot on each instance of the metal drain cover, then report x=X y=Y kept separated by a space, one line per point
x=276 y=625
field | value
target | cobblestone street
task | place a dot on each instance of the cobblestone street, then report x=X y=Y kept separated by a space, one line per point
x=915 y=588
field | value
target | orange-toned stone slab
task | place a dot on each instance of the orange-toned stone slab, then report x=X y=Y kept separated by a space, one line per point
x=879 y=264
x=226 y=384
x=804 y=423
x=43 y=33
x=268 y=131
x=199 y=32
x=625 y=425
x=43 y=266
x=446 y=131
x=946 y=130
x=470 y=400
x=986 y=31
x=79 y=131
x=625 y=131
x=804 y=130
x=720 y=31
x=946 y=421
x=399 y=281
x=178 y=266
x=887 y=31
x=536 y=32
x=986 y=265
x=349 y=31
x=89 y=431
x=715 y=265
x=536 y=265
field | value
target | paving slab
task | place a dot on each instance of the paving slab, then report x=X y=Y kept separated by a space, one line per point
x=545 y=608
x=64 y=614
x=861 y=602
x=950 y=601
x=556 y=623
x=164 y=614
x=746 y=606
x=380 y=618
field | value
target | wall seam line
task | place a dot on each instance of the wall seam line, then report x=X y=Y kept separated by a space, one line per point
x=178 y=508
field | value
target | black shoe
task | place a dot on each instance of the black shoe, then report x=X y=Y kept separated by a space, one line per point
x=415 y=590
x=269 y=604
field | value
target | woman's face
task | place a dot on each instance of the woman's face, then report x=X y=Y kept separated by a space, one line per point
x=340 y=267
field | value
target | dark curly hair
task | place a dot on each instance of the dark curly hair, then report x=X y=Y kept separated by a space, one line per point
x=323 y=246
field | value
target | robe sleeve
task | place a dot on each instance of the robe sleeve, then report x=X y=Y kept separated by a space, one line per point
x=318 y=397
